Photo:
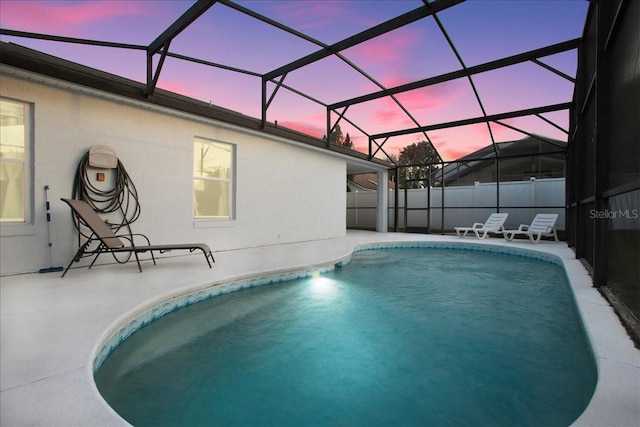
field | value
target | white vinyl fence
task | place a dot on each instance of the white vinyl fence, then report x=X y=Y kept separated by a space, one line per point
x=463 y=205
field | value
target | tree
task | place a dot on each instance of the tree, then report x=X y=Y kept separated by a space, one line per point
x=337 y=137
x=419 y=159
x=347 y=141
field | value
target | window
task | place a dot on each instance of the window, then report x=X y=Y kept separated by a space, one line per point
x=14 y=161
x=213 y=173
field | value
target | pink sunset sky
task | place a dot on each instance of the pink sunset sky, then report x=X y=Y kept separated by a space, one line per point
x=482 y=31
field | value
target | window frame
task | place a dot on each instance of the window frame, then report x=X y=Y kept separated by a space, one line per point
x=206 y=221
x=26 y=226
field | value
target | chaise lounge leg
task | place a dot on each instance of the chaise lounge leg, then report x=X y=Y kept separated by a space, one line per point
x=76 y=258
x=68 y=266
x=94 y=260
x=206 y=256
x=138 y=260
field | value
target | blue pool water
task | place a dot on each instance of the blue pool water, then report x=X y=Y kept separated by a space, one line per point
x=398 y=337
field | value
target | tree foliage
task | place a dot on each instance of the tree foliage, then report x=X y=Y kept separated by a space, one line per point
x=338 y=138
x=418 y=160
x=420 y=153
x=347 y=141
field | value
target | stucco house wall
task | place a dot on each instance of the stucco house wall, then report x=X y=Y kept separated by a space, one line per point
x=155 y=146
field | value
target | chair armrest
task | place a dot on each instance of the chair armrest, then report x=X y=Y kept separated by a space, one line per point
x=130 y=238
x=477 y=225
x=523 y=227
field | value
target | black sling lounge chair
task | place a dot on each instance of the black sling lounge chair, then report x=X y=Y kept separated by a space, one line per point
x=111 y=243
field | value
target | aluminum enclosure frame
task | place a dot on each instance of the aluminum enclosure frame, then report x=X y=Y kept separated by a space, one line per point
x=603 y=162
x=161 y=44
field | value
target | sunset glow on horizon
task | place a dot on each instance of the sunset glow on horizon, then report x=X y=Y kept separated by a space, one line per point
x=481 y=30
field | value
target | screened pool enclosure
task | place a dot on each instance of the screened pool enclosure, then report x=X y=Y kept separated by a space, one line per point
x=477 y=106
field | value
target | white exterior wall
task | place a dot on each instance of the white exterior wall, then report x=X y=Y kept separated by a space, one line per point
x=285 y=192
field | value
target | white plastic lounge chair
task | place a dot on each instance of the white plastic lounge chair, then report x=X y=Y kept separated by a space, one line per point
x=494 y=224
x=108 y=242
x=543 y=225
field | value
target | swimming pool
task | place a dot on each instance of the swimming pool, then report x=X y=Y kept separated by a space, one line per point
x=451 y=343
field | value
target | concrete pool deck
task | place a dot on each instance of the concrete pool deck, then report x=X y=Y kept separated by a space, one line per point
x=51 y=327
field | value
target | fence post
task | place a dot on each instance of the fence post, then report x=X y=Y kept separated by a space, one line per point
x=532 y=196
x=356 y=207
x=476 y=198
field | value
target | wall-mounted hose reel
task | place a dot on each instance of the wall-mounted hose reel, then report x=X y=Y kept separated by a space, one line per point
x=102 y=181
